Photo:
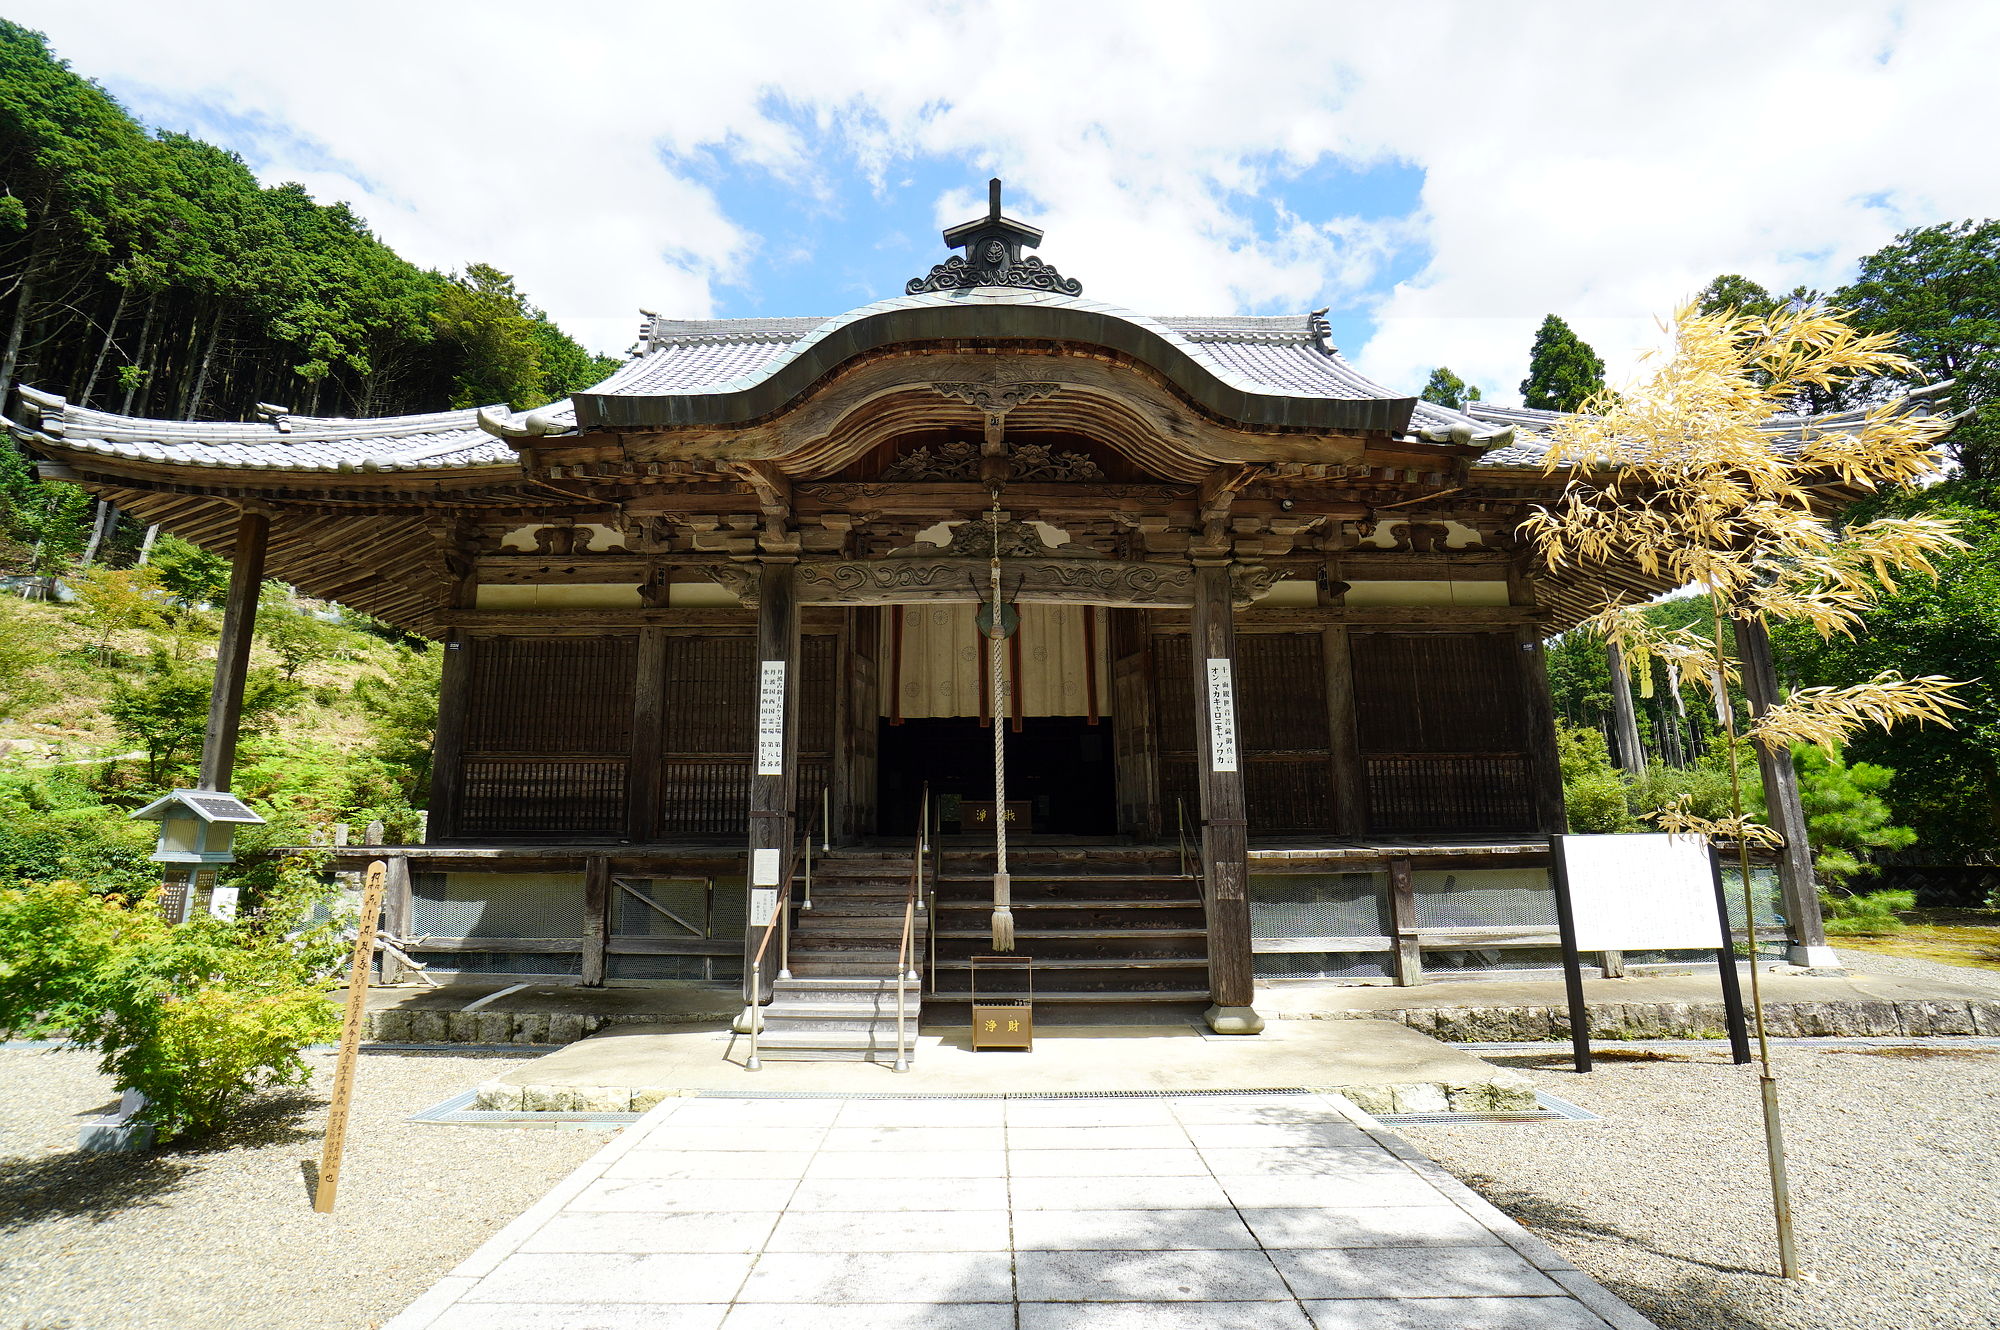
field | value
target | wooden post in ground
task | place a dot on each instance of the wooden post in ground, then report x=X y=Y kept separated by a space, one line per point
x=1350 y=794
x=350 y=1040
x=1781 y=798
x=232 y=653
x=1225 y=834
x=774 y=759
x=1409 y=957
x=396 y=907
x=1544 y=760
x=596 y=919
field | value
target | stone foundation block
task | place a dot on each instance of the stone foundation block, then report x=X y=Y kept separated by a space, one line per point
x=492 y=1027
x=494 y=1097
x=427 y=1027
x=530 y=1027
x=548 y=1099
x=603 y=1099
x=565 y=1027
x=1921 y=1018
x=644 y=1099
x=1421 y=1098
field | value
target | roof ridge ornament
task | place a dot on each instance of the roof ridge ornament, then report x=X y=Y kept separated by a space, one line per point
x=992 y=257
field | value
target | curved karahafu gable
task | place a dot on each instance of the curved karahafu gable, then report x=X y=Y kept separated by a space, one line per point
x=650 y=391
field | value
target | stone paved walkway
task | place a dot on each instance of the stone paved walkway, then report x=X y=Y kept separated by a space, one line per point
x=1216 y=1212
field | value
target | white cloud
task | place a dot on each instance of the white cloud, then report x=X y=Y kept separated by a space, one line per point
x=1596 y=161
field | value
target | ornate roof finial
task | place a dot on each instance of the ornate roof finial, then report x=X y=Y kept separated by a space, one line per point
x=992 y=257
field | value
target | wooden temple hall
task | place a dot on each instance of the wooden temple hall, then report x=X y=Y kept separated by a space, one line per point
x=1271 y=691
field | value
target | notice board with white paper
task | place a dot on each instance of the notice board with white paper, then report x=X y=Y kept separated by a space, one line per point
x=1651 y=892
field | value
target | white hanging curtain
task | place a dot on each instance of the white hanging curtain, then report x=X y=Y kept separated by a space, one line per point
x=938 y=666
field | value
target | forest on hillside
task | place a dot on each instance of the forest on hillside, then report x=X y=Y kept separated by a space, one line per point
x=150 y=273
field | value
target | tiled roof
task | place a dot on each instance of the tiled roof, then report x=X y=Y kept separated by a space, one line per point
x=1529 y=446
x=441 y=441
x=1254 y=358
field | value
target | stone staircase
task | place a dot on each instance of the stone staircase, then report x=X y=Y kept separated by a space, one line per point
x=839 y=1003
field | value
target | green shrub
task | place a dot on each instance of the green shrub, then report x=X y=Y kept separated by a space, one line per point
x=1594 y=791
x=198 y=1016
x=1848 y=914
x=52 y=826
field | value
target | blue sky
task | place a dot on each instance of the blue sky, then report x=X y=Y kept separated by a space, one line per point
x=1440 y=174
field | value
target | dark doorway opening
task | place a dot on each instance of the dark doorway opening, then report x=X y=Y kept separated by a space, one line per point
x=1061 y=764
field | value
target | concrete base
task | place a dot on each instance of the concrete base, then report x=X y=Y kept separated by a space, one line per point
x=1383 y=1067
x=1821 y=958
x=748 y=1019
x=1234 y=1020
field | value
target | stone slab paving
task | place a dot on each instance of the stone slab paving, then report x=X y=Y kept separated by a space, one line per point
x=1222 y=1212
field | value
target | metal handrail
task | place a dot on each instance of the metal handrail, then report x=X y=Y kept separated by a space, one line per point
x=930 y=895
x=781 y=923
x=1180 y=832
x=904 y=952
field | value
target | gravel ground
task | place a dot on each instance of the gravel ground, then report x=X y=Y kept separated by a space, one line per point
x=1667 y=1203
x=1911 y=967
x=222 y=1233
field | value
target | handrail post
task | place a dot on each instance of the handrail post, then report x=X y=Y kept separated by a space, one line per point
x=809 y=874
x=754 y=1016
x=785 y=942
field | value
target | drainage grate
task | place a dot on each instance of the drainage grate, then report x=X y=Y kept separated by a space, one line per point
x=1551 y=1109
x=457 y=1111
x=1001 y=1094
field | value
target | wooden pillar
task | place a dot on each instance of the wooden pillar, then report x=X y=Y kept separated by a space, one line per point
x=858 y=696
x=596 y=919
x=774 y=766
x=396 y=908
x=1781 y=800
x=232 y=653
x=1539 y=715
x=1631 y=755
x=642 y=778
x=448 y=747
x=1225 y=844
x=1409 y=957
x=1350 y=792
x=1135 y=736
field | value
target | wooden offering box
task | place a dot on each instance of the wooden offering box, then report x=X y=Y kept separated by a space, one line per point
x=1003 y=1002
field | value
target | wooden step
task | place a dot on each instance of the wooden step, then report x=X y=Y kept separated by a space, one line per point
x=1081 y=903
x=960 y=998
x=1095 y=963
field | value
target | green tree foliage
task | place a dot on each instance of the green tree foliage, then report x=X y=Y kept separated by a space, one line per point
x=1948 y=783
x=508 y=351
x=1846 y=816
x=189 y=573
x=1732 y=291
x=1563 y=371
x=197 y=1017
x=1938 y=289
x=24 y=645
x=53 y=825
x=1447 y=389
x=112 y=600
x=165 y=708
x=402 y=708
x=1594 y=791
x=292 y=631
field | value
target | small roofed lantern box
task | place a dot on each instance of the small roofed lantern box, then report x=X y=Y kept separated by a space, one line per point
x=197 y=833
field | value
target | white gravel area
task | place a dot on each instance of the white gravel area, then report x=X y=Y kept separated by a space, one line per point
x=222 y=1232
x=1667 y=1203
x=1912 y=967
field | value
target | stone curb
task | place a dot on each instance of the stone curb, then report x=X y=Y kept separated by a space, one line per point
x=1683 y=1020
x=1606 y=1305
x=447 y=1291
x=1452 y=1025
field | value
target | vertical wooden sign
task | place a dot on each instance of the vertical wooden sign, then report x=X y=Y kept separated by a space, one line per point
x=1221 y=715
x=771 y=719
x=350 y=1040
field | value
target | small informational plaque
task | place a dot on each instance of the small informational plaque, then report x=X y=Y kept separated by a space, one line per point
x=222 y=902
x=771 y=719
x=764 y=868
x=763 y=906
x=1221 y=716
x=1650 y=892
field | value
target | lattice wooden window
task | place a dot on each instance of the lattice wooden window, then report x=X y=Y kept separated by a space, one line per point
x=1442 y=727
x=548 y=735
